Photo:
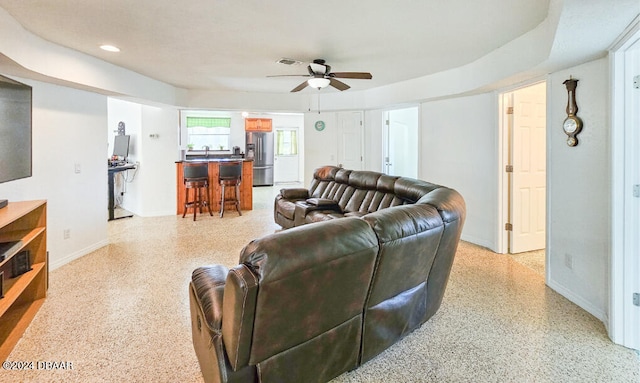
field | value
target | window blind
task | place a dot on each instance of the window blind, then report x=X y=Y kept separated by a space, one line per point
x=208 y=122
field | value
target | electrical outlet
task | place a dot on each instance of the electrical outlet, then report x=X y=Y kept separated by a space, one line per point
x=66 y=233
x=568 y=261
x=77 y=168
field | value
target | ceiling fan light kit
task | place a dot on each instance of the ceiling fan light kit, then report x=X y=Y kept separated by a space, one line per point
x=318 y=82
x=321 y=76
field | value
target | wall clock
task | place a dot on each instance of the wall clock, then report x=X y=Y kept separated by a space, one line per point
x=572 y=125
x=319 y=125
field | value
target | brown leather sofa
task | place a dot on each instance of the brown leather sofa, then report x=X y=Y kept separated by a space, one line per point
x=338 y=193
x=312 y=302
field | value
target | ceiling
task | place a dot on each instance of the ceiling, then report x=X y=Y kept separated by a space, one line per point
x=231 y=45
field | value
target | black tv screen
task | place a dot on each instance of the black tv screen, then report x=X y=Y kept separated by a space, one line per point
x=15 y=130
x=121 y=146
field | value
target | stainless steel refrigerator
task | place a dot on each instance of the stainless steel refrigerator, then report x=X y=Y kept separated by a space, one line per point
x=260 y=145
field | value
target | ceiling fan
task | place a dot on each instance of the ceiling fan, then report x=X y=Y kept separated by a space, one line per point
x=321 y=76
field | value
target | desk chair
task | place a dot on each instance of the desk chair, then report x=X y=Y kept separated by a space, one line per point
x=230 y=175
x=196 y=178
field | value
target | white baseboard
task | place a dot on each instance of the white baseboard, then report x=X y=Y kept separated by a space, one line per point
x=77 y=254
x=161 y=213
x=578 y=300
x=477 y=241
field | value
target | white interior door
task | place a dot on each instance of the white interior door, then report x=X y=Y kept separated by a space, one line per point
x=287 y=159
x=350 y=140
x=400 y=144
x=632 y=198
x=528 y=202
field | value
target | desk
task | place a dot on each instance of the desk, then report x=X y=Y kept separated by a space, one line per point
x=112 y=170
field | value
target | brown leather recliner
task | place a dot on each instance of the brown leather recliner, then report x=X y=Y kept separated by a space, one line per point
x=309 y=303
x=292 y=311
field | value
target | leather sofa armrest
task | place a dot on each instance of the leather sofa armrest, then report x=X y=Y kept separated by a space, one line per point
x=208 y=284
x=239 y=311
x=294 y=193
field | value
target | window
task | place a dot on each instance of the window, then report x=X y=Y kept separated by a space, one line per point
x=286 y=142
x=213 y=132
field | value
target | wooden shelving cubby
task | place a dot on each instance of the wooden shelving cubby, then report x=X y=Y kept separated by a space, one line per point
x=24 y=294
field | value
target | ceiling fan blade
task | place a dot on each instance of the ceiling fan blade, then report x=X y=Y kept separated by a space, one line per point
x=360 y=75
x=300 y=87
x=338 y=84
x=289 y=75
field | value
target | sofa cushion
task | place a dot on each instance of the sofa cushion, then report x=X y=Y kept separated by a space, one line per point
x=342 y=176
x=294 y=193
x=322 y=215
x=321 y=202
x=412 y=190
x=411 y=231
x=364 y=179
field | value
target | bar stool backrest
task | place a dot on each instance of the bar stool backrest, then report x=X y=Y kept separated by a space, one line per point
x=230 y=170
x=194 y=172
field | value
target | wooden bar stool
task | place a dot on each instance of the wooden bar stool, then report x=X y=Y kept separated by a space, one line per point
x=230 y=175
x=196 y=178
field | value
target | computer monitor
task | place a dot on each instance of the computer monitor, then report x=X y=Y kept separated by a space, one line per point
x=121 y=146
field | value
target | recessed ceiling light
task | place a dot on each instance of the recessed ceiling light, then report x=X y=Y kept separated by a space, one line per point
x=109 y=48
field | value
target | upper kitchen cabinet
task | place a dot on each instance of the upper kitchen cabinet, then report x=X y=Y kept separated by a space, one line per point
x=257 y=124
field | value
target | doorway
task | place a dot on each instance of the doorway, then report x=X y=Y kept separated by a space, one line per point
x=523 y=116
x=287 y=158
x=350 y=140
x=400 y=142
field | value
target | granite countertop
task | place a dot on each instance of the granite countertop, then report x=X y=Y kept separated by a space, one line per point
x=216 y=160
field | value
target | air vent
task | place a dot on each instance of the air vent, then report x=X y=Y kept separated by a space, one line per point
x=287 y=61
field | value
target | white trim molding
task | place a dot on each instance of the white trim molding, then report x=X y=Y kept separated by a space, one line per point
x=625 y=142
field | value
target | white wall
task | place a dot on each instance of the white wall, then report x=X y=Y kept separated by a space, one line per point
x=459 y=149
x=157 y=169
x=321 y=148
x=69 y=128
x=579 y=191
x=373 y=132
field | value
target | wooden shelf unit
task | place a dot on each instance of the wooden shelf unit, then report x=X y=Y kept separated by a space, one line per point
x=23 y=295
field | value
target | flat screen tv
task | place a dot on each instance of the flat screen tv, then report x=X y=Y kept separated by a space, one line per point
x=15 y=130
x=121 y=146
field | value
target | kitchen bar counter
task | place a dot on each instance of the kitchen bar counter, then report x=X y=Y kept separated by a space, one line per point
x=246 y=187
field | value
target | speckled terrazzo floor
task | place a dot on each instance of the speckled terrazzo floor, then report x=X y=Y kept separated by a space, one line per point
x=120 y=314
x=532 y=259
